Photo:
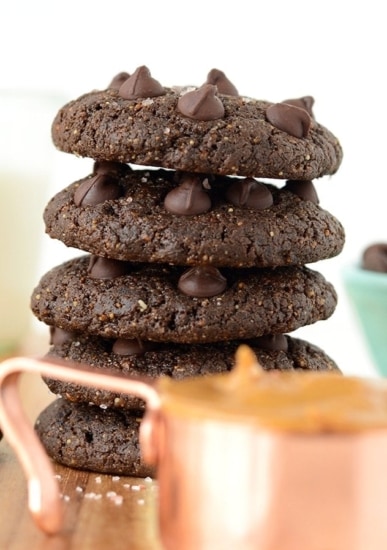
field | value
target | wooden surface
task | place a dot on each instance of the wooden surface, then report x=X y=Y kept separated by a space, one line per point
x=101 y=512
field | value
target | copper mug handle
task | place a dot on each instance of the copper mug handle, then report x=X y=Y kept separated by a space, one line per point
x=44 y=500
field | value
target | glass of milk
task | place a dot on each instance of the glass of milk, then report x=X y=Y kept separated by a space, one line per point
x=27 y=159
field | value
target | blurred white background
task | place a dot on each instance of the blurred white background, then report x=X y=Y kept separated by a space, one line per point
x=332 y=50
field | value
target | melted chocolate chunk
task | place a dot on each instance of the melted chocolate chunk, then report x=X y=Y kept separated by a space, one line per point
x=249 y=193
x=375 y=258
x=290 y=119
x=201 y=104
x=140 y=84
x=220 y=80
x=97 y=189
x=303 y=189
x=118 y=80
x=202 y=282
x=59 y=336
x=275 y=342
x=104 y=268
x=189 y=198
x=124 y=346
x=305 y=102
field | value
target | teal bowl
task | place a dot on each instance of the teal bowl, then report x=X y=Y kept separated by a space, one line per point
x=367 y=292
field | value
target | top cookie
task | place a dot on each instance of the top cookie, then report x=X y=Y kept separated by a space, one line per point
x=208 y=129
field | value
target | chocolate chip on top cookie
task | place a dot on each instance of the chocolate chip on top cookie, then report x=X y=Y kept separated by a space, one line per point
x=203 y=129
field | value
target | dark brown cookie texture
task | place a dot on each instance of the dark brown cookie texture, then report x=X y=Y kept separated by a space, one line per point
x=245 y=137
x=171 y=304
x=87 y=437
x=243 y=222
x=279 y=352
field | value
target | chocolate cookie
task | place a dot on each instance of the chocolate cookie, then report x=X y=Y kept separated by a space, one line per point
x=374 y=257
x=173 y=304
x=204 y=129
x=132 y=358
x=86 y=437
x=185 y=219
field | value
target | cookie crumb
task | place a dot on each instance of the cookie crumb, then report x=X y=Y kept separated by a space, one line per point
x=142 y=305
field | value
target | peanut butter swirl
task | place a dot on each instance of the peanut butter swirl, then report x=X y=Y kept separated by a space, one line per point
x=282 y=401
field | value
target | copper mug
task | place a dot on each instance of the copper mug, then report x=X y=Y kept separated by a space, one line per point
x=246 y=459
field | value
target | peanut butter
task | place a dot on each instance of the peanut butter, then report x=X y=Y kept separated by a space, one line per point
x=295 y=402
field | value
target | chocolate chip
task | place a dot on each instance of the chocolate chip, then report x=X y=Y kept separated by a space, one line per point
x=220 y=80
x=104 y=268
x=201 y=104
x=303 y=189
x=111 y=168
x=122 y=346
x=118 y=80
x=290 y=119
x=189 y=198
x=305 y=102
x=275 y=342
x=59 y=336
x=202 y=282
x=140 y=84
x=177 y=176
x=97 y=189
x=249 y=193
x=375 y=258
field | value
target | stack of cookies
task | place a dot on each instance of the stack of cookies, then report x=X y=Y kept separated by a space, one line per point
x=187 y=253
